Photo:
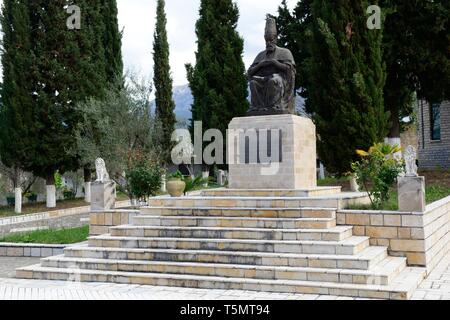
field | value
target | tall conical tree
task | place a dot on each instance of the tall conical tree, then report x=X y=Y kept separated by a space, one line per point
x=17 y=135
x=165 y=106
x=218 y=81
x=112 y=40
x=346 y=81
x=100 y=18
x=64 y=74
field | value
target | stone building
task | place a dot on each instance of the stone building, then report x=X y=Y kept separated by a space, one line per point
x=434 y=135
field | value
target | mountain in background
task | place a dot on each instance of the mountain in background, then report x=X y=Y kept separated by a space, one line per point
x=183 y=99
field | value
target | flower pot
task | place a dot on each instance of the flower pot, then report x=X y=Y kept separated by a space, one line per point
x=176 y=187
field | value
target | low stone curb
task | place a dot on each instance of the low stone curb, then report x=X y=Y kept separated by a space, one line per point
x=52 y=214
x=21 y=250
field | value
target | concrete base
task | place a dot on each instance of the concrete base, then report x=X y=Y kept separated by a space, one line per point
x=103 y=196
x=272 y=152
x=51 y=196
x=411 y=194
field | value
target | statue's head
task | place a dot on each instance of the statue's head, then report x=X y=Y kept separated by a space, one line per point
x=100 y=163
x=271 y=34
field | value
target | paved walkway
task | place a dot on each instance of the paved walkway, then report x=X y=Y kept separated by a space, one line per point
x=8 y=265
x=435 y=287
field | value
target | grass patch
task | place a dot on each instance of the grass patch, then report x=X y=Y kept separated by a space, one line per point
x=433 y=194
x=62 y=236
x=331 y=181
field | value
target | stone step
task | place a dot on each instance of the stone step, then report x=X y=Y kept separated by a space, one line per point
x=364 y=260
x=313 y=192
x=401 y=287
x=217 y=212
x=381 y=274
x=350 y=246
x=328 y=234
x=231 y=222
x=335 y=201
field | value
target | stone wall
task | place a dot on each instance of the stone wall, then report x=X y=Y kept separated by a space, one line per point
x=101 y=221
x=65 y=218
x=423 y=238
x=434 y=154
x=437 y=231
x=21 y=250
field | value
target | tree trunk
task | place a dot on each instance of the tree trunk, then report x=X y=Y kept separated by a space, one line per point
x=393 y=137
x=51 y=191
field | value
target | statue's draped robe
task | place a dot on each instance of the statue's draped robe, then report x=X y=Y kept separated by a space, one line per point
x=273 y=91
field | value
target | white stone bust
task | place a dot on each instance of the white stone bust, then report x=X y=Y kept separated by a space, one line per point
x=410 y=161
x=100 y=168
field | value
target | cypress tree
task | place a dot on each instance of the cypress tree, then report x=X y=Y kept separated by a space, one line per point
x=112 y=40
x=292 y=30
x=418 y=57
x=165 y=105
x=218 y=80
x=17 y=135
x=64 y=73
x=346 y=81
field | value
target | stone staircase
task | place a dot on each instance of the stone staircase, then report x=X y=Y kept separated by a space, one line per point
x=275 y=241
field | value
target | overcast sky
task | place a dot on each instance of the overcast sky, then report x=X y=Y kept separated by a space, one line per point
x=137 y=18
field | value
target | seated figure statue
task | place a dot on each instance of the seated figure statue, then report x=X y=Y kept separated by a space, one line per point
x=272 y=77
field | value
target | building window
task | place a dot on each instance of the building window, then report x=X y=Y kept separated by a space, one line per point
x=435 y=121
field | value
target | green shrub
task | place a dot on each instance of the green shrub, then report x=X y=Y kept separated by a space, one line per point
x=177 y=175
x=69 y=194
x=377 y=172
x=194 y=184
x=144 y=181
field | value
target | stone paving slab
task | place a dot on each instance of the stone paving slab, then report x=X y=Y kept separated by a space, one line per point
x=437 y=284
x=435 y=287
x=14 y=289
x=9 y=264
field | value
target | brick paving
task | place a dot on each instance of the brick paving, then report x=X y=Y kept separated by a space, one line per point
x=435 y=287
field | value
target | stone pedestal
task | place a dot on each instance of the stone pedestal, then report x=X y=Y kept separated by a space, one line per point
x=411 y=194
x=272 y=152
x=103 y=196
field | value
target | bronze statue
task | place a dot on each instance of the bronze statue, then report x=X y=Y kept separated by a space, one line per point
x=272 y=77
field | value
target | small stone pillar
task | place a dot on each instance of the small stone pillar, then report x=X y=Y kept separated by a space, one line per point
x=87 y=192
x=411 y=187
x=411 y=194
x=205 y=176
x=103 y=195
x=163 y=183
x=221 y=177
x=51 y=196
x=18 y=200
